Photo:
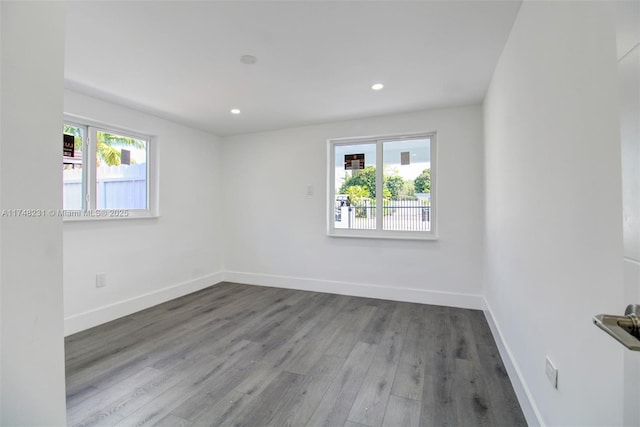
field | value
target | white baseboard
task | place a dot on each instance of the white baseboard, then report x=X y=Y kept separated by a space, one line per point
x=80 y=322
x=392 y=293
x=88 y=319
x=525 y=398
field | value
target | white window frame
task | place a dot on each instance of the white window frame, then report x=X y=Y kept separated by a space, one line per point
x=89 y=211
x=378 y=232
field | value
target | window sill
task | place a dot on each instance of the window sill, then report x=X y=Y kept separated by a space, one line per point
x=384 y=235
x=107 y=215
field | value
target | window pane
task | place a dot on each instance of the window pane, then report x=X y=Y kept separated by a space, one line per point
x=355 y=186
x=121 y=172
x=407 y=185
x=72 y=185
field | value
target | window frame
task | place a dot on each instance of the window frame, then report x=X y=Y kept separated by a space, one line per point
x=89 y=211
x=379 y=232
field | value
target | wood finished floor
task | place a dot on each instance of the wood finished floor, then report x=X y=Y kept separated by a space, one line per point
x=239 y=355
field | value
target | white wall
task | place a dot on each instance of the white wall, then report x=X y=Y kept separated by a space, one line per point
x=629 y=69
x=553 y=208
x=32 y=359
x=629 y=79
x=147 y=261
x=276 y=234
x=1 y=139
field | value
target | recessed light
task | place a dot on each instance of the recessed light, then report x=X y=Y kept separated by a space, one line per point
x=377 y=86
x=235 y=111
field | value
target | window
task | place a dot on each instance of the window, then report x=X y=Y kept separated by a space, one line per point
x=105 y=173
x=403 y=166
x=72 y=171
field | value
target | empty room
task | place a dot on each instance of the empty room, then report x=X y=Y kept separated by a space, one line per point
x=320 y=213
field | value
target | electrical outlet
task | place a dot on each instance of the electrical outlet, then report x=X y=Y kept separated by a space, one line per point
x=101 y=280
x=552 y=373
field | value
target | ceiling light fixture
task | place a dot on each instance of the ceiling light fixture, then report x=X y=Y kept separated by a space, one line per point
x=248 y=59
x=235 y=111
x=377 y=86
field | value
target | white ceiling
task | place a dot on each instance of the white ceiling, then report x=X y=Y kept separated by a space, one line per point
x=316 y=59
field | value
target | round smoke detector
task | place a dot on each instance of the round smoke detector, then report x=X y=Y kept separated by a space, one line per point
x=248 y=59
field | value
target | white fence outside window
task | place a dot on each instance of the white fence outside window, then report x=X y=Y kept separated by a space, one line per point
x=117 y=187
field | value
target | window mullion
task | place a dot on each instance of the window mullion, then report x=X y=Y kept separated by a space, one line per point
x=379 y=186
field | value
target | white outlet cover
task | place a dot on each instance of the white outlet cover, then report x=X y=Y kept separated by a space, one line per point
x=101 y=280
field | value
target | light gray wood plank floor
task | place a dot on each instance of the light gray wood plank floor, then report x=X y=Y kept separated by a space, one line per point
x=240 y=355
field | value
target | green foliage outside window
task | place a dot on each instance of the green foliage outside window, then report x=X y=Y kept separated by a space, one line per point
x=109 y=146
x=395 y=187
